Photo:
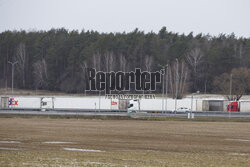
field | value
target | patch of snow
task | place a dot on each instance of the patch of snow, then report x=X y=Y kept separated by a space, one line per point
x=4 y=148
x=241 y=154
x=57 y=142
x=244 y=140
x=85 y=150
x=9 y=141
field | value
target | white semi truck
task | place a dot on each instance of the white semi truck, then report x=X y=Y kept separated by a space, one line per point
x=159 y=104
x=57 y=103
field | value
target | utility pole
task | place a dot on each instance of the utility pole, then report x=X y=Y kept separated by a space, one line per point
x=192 y=97
x=163 y=83
x=166 y=88
x=12 y=67
x=192 y=102
x=231 y=76
x=176 y=84
x=99 y=101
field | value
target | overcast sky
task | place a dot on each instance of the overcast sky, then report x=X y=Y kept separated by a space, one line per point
x=182 y=16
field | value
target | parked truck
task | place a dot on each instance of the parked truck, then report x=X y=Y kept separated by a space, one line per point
x=239 y=106
x=61 y=103
x=159 y=104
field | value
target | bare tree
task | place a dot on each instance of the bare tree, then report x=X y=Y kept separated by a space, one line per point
x=40 y=73
x=179 y=80
x=148 y=62
x=239 y=53
x=109 y=61
x=123 y=62
x=84 y=67
x=183 y=78
x=171 y=80
x=20 y=57
x=96 y=61
x=194 y=58
x=240 y=83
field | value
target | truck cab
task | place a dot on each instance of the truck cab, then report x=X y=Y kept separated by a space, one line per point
x=133 y=106
x=47 y=103
x=233 y=107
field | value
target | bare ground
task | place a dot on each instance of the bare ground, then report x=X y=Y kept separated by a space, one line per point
x=123 y=143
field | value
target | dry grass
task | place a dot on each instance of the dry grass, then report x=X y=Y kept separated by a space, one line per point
x=125 y=142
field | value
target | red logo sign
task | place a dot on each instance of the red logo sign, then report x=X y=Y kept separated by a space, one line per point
x=13 y=102
x=113 y=103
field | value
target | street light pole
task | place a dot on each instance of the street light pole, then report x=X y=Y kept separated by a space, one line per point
x=231 y=76
x=192 y=97
x=192 y=102
x=12 y=67
x=166 y=87
x=99 y=101
x=163 y=83
x=176 y=84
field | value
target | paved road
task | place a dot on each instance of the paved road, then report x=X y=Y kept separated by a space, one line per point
x=122 y=113
x=63 y=113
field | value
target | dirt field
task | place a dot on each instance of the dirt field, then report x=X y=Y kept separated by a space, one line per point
x=72 y=142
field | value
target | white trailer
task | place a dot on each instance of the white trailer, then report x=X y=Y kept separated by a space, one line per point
x=24 y=102
x=92 y=103
x=159 y=104
x=244 y=106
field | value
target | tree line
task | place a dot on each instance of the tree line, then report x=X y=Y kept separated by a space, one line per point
x=57 y=59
